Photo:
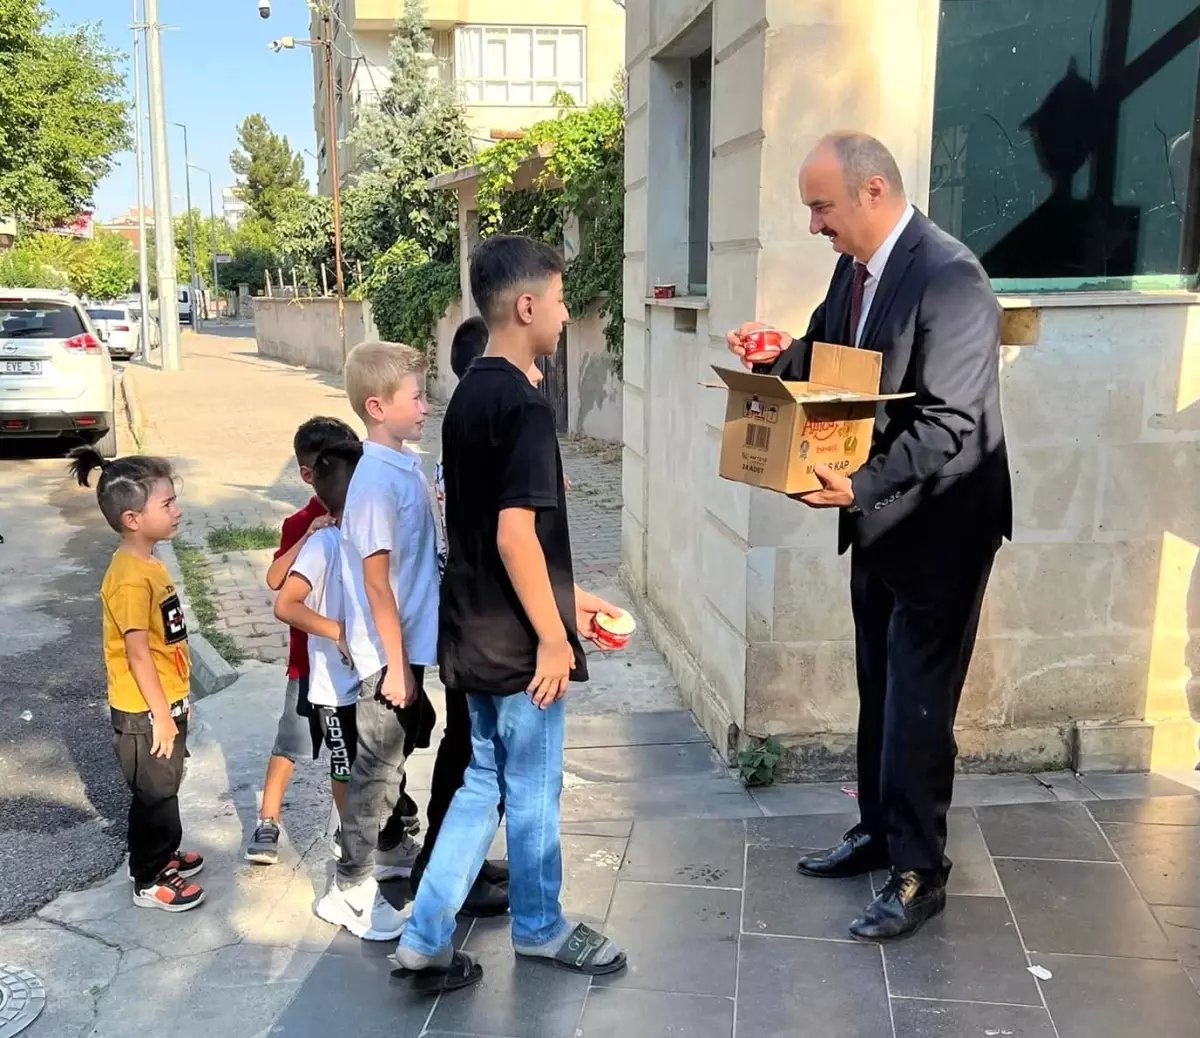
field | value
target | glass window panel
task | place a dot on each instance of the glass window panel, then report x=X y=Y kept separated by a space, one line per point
x=570 y=54
x=520 y=54
x=495 y=92
x=1062 y=144
x=495 y=57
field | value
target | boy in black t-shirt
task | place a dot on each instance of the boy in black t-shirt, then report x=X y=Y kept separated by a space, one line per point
x=510 y=623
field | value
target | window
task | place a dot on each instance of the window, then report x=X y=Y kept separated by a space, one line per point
x=519 y=65
x=1065 y=149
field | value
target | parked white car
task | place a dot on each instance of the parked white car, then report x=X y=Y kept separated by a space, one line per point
x=119 y=327
x=56 y=377
x=186 y=309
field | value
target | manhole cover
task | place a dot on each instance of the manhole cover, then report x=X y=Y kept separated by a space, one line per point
x=22 y=997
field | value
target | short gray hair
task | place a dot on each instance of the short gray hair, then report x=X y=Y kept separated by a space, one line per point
x=863 y=157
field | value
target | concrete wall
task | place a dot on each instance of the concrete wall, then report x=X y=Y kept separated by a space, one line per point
x=593 y=381
x=1085 y=637
x=305 y=331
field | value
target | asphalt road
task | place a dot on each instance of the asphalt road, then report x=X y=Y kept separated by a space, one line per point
x=62 y=800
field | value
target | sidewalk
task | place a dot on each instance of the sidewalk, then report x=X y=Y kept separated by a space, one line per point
x=1097 y=880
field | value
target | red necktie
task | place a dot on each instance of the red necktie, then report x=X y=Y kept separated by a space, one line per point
x=857 y=284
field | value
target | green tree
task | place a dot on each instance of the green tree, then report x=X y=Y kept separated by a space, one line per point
x=204 y=237
x=303 y=234
x=417 y=131
x=253 y=252
x=102 y=267
x=266 y=165
x=62 y=114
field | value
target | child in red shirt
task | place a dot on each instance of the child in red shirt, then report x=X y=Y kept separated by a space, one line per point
x=293 y=737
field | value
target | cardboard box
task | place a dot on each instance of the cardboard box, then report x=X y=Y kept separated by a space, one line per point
x=776 y=432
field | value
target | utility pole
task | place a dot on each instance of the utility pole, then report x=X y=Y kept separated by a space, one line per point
x=164 y=240
x=332 y=148
x=143 y=262
x=187 y=190
x=212 y=226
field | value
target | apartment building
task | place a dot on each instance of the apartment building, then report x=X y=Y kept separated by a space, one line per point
x=507 y=58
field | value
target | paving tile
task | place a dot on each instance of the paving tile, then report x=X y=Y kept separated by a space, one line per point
x=811 y=989
x=1080 y=908
x=970 y=953
x=1065 y=785
x=648 y=729
x=800 y=832
x=1164 y=860
x=985 y=790
x=919 y=1018
x=590 y=868
x=692 y=852
x=516 y=998
x=973 y=871
x=781 y=901
x=1182 y=927
x=657 y=798
x=804 y=798
x=655 y=1014
x=380 y=1008
x=681 y=939
x=1064 y=831
x=633 y=763
x=1116 y=998
x=1124 y=787
x=1152 y=811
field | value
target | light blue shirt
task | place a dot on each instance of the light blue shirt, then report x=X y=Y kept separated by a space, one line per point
x=389 y=508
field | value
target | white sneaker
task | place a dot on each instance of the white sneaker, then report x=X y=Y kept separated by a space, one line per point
x=362 y=910
x=399 y=861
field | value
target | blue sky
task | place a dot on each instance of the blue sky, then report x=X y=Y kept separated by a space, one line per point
x=216 y=70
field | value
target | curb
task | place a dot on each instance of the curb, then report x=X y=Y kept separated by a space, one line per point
x=133 y=406
x=210 y=671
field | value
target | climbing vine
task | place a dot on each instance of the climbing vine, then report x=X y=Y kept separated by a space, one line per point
x=408 y=301
x=584 y=175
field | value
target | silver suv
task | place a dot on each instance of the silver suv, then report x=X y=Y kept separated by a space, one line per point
x=56 y=377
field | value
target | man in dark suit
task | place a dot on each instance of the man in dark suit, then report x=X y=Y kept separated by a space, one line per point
x=923 y=517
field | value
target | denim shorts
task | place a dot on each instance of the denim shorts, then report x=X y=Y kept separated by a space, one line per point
x=293 y=737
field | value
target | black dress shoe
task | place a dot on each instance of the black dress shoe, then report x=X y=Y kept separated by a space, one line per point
x=905 y=904
x=857 y=854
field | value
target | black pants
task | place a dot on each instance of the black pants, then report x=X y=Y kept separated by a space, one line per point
x=155 y=830
x=915 y=624
x=449 y=768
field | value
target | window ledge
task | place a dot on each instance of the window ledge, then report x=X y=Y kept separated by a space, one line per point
x=679 y=302
x=1054 y=300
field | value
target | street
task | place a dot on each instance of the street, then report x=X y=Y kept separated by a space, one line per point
x=59 y=791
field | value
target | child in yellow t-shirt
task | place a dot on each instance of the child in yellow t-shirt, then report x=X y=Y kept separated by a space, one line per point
x=146 y=657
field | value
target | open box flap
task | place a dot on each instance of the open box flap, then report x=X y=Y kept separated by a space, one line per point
x=801 y=392
x=843 y=367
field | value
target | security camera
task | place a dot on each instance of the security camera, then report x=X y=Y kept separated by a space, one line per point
x=264 y=8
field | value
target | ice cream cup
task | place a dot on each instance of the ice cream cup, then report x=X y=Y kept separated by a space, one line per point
x=763 y=345
x=612 y=632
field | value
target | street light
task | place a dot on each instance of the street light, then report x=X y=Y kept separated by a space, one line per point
x=191 y=223
x=331 y=147
x=212 y=225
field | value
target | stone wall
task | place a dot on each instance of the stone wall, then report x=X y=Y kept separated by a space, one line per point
x=305 y=331
x=1085 y=633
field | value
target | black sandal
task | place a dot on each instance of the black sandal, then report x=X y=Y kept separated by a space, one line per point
x=578 y=954
x=462 y=972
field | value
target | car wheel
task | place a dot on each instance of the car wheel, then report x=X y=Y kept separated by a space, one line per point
x=107 y=444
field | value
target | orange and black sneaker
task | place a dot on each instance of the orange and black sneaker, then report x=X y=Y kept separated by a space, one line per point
x=170 y=892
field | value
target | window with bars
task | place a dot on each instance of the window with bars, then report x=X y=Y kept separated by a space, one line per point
x=519 y=64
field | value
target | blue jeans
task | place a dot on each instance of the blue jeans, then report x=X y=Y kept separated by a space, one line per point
x=517 y=753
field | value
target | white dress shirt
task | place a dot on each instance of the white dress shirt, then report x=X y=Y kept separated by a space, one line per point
x=875 y=268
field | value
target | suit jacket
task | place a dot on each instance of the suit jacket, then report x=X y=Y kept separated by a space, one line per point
x=937 y=475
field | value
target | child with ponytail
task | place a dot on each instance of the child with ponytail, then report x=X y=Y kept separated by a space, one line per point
x=148 y=666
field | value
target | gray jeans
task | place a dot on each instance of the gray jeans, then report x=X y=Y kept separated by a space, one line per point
x=376 y=779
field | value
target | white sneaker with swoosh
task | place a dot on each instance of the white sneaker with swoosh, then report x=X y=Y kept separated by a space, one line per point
x=362 y=910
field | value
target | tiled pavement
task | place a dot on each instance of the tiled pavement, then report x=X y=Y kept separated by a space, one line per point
x=696 y=878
